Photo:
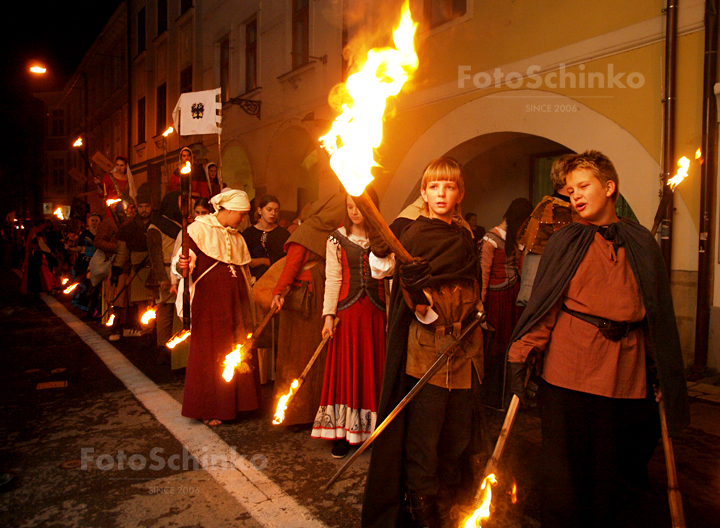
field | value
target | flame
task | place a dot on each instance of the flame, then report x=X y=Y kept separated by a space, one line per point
x=169 y=131
x=38 y=69
x=58 y=212
x=65 y=281
x=186 y=169
x=147 y=316
x=513 y=493
x=78 y=142
x=681 y=174
x=483 y=512
x=178 y=338
x=232 y=360
x=71 y=287
x=282 y=404
x=112 y=201
x=110 y=320
x=357 y=131
x=698 y=154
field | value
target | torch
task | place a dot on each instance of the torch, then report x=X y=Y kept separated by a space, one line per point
x=185 y=210
x=165 y=135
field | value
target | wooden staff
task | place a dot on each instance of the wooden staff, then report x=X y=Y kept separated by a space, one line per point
x=301 y=379
x=375 y=220
x=185 y=211
x=266 y=320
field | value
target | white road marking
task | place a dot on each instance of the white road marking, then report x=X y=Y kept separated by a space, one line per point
x=263 y=499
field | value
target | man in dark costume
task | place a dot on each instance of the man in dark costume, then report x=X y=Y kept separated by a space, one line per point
x=602 y=315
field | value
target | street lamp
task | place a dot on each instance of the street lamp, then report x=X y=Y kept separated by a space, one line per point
x=37 y=69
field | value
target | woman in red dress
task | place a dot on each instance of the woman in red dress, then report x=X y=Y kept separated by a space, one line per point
x=356 y=354
x=221 y=314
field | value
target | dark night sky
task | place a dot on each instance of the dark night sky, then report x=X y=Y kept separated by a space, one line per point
x=55 y=33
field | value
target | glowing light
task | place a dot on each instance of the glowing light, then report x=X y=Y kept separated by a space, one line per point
x=698 y=154
x=513 y=493
x=78 y=142
x=111 y=320
x=178 y=338
x=232 y=360
x=186 y=169
x=169 y=131
x=38 y=69
x=112 y=201
x=148 y=316
x=358 y=130
x=65 y=281
x=283 y=403
x=681 y=174
x=70 y=288
x=58 y=212
x=483 y=512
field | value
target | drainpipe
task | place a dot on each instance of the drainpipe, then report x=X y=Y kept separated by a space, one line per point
x=707 y=186
x=668 y=155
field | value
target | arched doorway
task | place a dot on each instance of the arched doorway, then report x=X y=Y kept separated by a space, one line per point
x=577 y=130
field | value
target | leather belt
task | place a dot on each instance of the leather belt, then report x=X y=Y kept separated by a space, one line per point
x=613 y=330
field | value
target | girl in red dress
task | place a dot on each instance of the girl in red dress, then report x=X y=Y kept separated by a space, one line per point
x=356 y=353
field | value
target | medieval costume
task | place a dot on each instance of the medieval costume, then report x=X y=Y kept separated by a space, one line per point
x=356 y=353
x=419 y=452
x=300 y=329
x=552 y=213
x=114 y=186
x=602 y=313
x=161 y=237
x=221 y=317
x=265 y=244
x=198 y=178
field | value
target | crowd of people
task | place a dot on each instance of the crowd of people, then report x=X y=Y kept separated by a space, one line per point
x=567 y=290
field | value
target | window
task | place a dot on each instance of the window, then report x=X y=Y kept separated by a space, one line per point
x=186 y=80
x=185 y=5
x=162 y=16
x=58 y=122
x=251 y=56
x=224 y=68
x=300 y=32
x=161 y=113
x=141 y=121
x=58 y=172
x=438 y=12
x=141 y=43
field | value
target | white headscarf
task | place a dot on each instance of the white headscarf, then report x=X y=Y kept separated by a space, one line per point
x=232 y=200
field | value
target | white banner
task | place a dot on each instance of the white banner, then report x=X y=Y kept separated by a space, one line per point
x=198 y=113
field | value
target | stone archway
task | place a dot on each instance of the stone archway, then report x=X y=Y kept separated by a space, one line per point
x=564 y=121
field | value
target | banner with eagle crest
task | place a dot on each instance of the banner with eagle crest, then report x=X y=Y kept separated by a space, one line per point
x=198 y=113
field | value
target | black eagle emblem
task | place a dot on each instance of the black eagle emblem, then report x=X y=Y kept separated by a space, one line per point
x=197 y=110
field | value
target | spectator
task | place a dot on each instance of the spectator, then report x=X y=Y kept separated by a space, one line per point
x=266 y=238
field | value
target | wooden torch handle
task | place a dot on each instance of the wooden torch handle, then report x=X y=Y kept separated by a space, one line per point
x=373 y=217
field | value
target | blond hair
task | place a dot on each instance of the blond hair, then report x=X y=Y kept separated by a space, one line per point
x=444 y=169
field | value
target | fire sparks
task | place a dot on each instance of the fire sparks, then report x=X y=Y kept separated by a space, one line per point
x=186 y=169
x=112 y=201
x=178 y=338
x=357 y=131
x=681 y=174
x=111 y=320
x=58 y=212
x=483 y=512
x=78 y=142
x=70 y=288
x=283 y=403
x=65 y=281
x=148 y=316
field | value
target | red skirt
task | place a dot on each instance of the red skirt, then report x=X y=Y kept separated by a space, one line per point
x=353 y=375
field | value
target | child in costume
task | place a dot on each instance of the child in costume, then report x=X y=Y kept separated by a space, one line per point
x=602 y=315
x=434 y=298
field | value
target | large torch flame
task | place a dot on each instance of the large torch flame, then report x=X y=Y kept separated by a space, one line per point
x=357 y=131
x=681 y=174
x=232 y=360
x=148 y=316
x=483 y=512
x=58 y=212
x=110 y=320
x=282 y=404
x=178 y=338
x=70 y=288
x=186 y=169
x=78 y=142
x=112 y=201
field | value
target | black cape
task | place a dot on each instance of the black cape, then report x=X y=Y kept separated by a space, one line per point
x=451 y=253
x=563 y=254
